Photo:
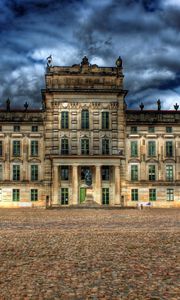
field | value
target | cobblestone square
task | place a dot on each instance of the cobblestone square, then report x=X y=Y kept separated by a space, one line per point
x=93 y=254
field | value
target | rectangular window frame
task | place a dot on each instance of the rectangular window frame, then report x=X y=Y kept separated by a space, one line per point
x=64 y=173
x=16 y=148
x=85 y=146
x=16 y=173
x=152 y=195
x=169 y=172
x=134 y=148
x=34 y=172
x=170 y=194
x=105 y=146
x=134 y=173
x=134 y=195
x=151 y=148
x=34 y=148
x=34 y=195
x=16 y=195
x=64 y=146
x=152 y=172
x=105 y=196
x=105 y=120
x=64 y=196
x=64 y=120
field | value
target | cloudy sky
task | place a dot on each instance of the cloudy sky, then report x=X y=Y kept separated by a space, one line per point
x=145 y=33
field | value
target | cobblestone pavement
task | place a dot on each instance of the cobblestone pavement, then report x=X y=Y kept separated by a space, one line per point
x=89 y=254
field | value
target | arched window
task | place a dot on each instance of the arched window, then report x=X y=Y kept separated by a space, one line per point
x=85 y=119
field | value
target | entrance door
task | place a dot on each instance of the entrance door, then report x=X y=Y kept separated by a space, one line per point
x=82 y=194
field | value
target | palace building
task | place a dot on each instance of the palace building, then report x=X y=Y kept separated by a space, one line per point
x=84 y=147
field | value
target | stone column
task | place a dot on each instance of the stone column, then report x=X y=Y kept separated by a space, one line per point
x=55 y=185
x=117 y=185
x=75 y=185
x=98 y=185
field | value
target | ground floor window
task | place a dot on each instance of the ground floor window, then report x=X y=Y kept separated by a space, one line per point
x=152 y=194
x=134 y=195
x=105 y=196
x=16 y=195
x=170 y=194
x=64 y=196
x=34 y=195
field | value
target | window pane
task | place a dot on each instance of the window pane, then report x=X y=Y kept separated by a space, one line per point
x=85 y=146
x=152 y=172
x=105 y=196
x=134 y=149
x=64 y=146
x=16 y=148
x=16 y=195
x=64 y=120
x=105 y=146
x=16 y=128
x=34 y=172
x=169 y=129
x=134 y=172
x=64 y=196
x=34 y=148
x=151 y=148
x=151 y=129
x=64 y=173
x=105 y=120
x=34 y=195
x=85 y=119
x=170 y=194
x=169 y=173
x=134 y=195
x=105 y=172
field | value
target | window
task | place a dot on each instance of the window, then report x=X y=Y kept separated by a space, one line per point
x=1 y=148
x=16 y=148
x=151 y=148
x=134 y=172
x=1 y=172
x=64 y=120
x=64 y=196
x=134 y=195
x=34 y=128
x=34 y=195
x=64 y=147
x=85 y=146
x=133 y=129
x=34 y=148
x=170 y=195
x=105 y=146
x=64 y=173
x=16 y=195
x=83 y=172
x=105 y=196
x=168 y=129
x=16 y=128
x=134 y=149
x=34 y=172
x=16 y=172
x=85 y=119
x=105 y=172
x=151 y=129
x=152 y=172
x=169 y=173
x=169 y=148
x=0 y=127
x=105 y=120
x=152 y=195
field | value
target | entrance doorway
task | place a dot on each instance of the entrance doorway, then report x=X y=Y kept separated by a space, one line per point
x=82 y=194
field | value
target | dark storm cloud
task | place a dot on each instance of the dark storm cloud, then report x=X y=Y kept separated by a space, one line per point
x=144 y=32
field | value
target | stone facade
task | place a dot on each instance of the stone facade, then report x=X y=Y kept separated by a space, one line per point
x=85 y=128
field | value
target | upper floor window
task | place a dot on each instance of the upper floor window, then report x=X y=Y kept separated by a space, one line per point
x=151 y=129
x=170 y=195
x=105 y=120
x=16 y=128
x=64 y=146
x=169 y=172
x=34 y=128
x=133 y=129
x=85 y=119
x=64 y=173
x=134 y=149
x=34 y=172
x=152 y=172
x=105 y=172
x=152 y=194
x=16 y=148
x=151 y=148
x=105 y=146
x=64 y=120
x=169 y=148
x=1 y=148
x=85 y=146
x=16 y=172
x=34 y=148
x=134 y=172
x=168 y=129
